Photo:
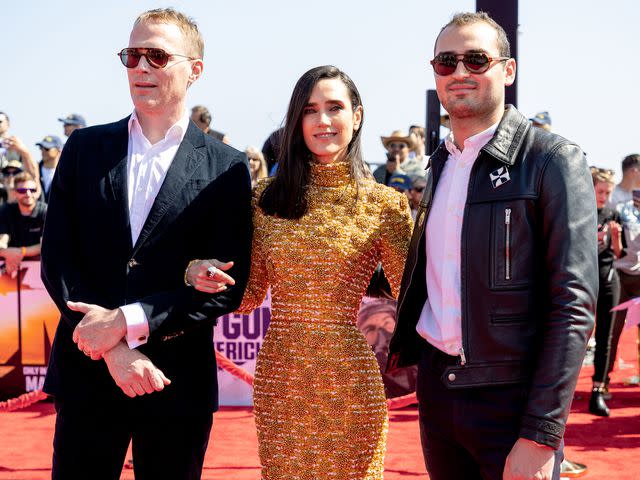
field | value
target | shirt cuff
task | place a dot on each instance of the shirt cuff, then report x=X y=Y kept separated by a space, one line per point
x=137 y=325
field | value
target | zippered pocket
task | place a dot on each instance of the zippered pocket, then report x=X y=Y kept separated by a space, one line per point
x=507 y=244
x=512 y=257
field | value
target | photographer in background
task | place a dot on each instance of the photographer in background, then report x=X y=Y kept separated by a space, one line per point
x=609 y=248
x=14 y=158
x=21 y=223
x=398 y=146
x=626 y=200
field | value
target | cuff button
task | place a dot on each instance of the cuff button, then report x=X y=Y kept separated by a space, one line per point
x=142 y=338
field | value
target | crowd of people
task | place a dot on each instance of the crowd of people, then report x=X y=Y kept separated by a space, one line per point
x=151 y=232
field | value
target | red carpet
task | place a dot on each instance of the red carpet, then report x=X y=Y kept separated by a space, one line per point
x=609 y=446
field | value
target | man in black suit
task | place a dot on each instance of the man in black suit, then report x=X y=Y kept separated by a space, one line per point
x=132 y=203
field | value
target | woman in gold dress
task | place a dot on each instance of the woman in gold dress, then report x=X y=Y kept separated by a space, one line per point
x=320 y=228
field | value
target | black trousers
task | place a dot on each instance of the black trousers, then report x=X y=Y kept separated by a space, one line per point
x=467 y=434
x=91 y=442
x=608 y=297
x=629 y=288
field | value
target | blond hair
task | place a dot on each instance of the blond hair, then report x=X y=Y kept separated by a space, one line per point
x=188 y=27
x=602 y=175
x=253 y=152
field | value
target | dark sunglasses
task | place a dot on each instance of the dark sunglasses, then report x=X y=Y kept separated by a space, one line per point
x=25 y=190
x=398 y=145
x=156 y=57
x=446 y=63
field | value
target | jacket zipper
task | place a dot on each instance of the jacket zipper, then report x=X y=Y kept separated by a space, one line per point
x=507 y=245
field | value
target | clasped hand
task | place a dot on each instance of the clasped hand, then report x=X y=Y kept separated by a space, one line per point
x=100 y=336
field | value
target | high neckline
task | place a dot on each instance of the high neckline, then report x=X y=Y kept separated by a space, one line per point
x=332 y=175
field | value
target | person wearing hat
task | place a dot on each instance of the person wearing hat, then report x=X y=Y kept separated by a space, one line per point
x=51 y=148
x=542 y=120
x=398 y=146
x=72 y=122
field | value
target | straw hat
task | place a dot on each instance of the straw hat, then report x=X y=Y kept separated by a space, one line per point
x=400 y=137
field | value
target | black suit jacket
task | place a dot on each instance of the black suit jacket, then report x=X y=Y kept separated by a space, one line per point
x=202 y=210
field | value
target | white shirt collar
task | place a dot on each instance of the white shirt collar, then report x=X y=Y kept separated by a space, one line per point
x=177 y=131
x=474 y=142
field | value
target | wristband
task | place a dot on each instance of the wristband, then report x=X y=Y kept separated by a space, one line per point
x=24 y=251
x=186 y=270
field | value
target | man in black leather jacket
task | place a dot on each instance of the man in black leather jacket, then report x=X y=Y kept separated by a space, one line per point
x=499 y=291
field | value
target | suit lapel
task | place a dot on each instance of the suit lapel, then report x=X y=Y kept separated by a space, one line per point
x=182 y=167
x=117 y=177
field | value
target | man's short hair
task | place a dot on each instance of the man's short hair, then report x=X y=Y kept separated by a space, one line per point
x=22 y=177
x=469 y=18
x=630 y=161
x=186 y=24
x=203 y=114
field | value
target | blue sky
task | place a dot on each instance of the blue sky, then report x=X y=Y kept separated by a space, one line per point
x=577 y=59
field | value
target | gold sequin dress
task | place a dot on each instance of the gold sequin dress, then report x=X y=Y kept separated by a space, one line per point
x=319 y=400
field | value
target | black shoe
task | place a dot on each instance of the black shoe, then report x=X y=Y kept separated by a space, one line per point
x=597 y=405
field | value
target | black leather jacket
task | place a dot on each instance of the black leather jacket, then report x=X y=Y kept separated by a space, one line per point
x=529 y=273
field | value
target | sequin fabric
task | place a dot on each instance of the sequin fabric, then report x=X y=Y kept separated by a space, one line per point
x=319 y=400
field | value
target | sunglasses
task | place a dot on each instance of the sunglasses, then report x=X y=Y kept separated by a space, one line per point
x=418 y=189
x=446 y=63
x=398 y=145
x=25 y=190
x=156 y=57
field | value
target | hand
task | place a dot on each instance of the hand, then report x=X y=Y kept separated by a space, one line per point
x=15 y=144
x=393 y=162
x=602 y=234
x=615 y=229
x=133 y=372
x=99 y=330
x=12 y=258
x=199 y=275
x=529 y=460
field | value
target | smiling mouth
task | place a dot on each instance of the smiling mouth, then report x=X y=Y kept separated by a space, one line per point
x=144 y=85
x=325 y=135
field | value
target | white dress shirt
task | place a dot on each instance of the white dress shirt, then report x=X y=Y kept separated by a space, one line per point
x=440 y=320
x=147 y=167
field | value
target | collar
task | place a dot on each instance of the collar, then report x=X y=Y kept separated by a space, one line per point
x=509 y=136
x=474 y=142
x=176 y=132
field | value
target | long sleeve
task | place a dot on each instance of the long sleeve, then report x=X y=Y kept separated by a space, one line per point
x=568 y=217
x=258 y=283
x=183 y=308
x=396 y=226
x=61 y=268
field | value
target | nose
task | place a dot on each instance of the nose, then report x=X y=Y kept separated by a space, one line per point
x=460 y=71
x=323 y=119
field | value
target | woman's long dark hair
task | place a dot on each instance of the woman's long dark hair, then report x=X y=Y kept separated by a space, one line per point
x=286 y=195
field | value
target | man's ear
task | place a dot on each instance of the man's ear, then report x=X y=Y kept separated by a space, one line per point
x=510 y=72
x=196 y=70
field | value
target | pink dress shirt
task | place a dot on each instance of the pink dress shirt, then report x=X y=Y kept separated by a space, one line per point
x=440 y=320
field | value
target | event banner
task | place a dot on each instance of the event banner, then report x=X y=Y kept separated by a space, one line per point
x=28 y=321
x=239 y=338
